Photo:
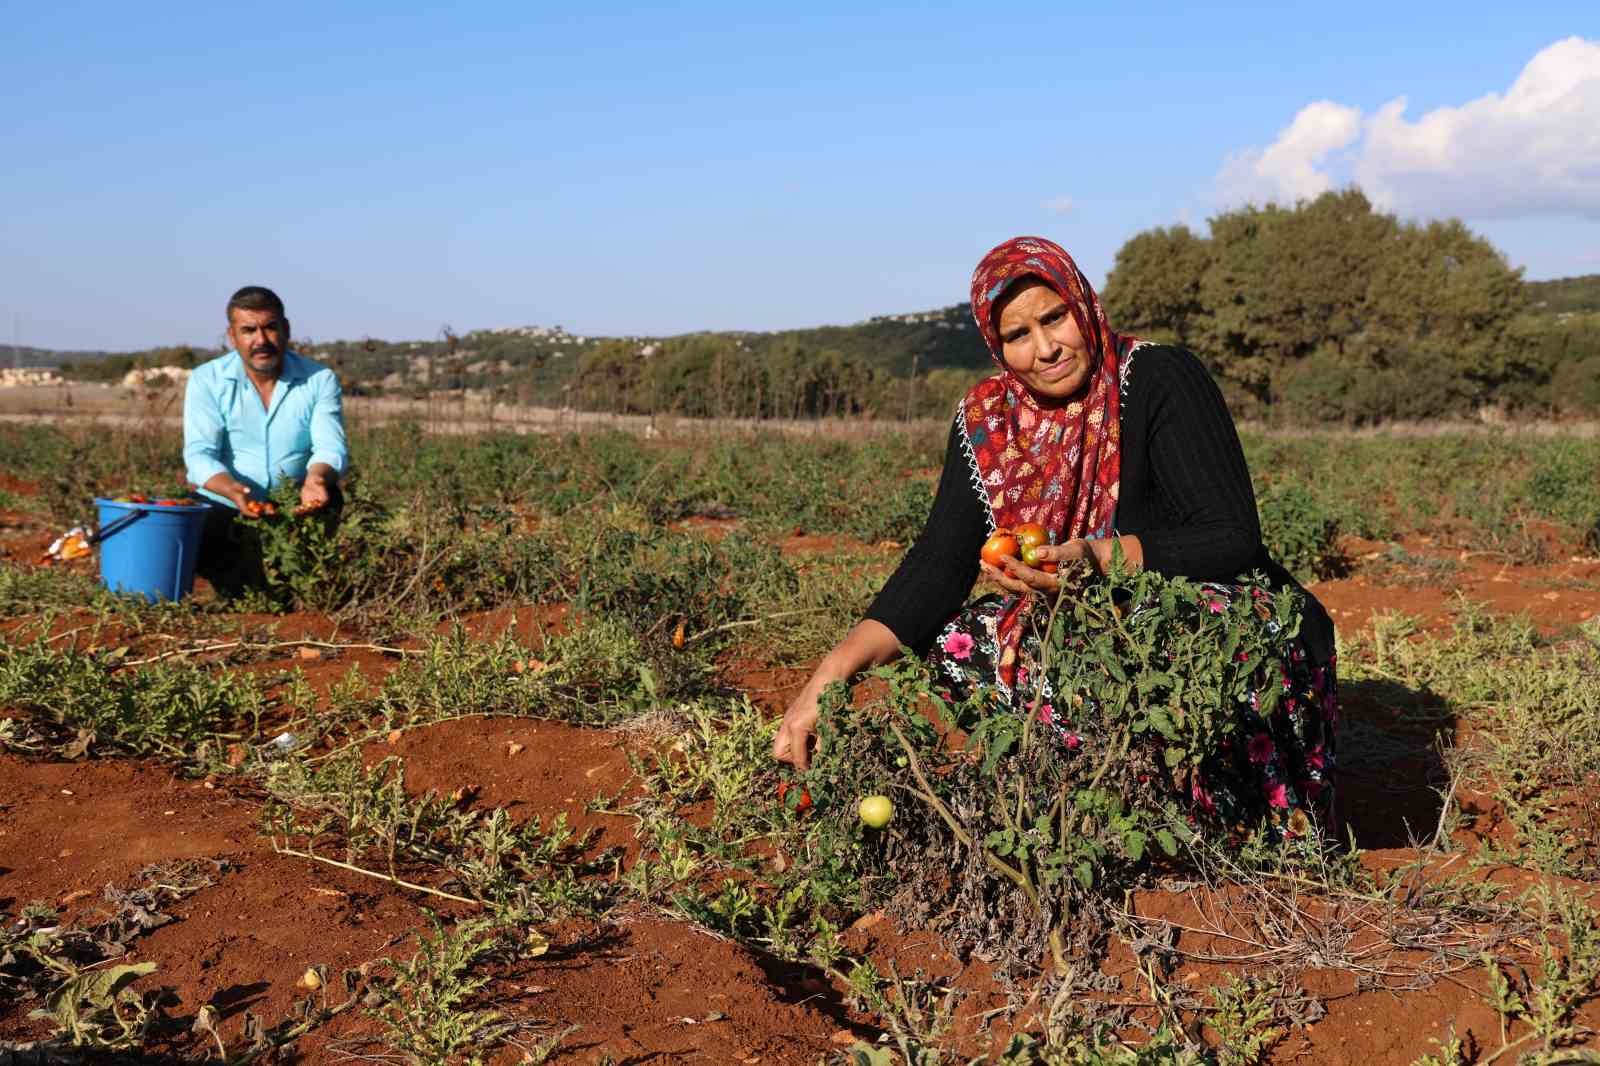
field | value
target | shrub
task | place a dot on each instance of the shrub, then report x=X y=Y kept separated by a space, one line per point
x=166 y=708
x=1299 y=531
x=1564 y=485
x=1325 y=387
x=1575 y=386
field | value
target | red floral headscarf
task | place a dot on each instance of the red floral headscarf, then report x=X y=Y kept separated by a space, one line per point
x=1055 y=465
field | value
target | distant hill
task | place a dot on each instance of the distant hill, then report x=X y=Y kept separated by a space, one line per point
x=21 y=355
x=934 y=339
x=1564 y=295
x=892 y=344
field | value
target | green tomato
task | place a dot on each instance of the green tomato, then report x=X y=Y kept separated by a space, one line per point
x=876 y=811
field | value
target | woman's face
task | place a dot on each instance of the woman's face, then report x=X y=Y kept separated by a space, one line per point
x=1040 y=341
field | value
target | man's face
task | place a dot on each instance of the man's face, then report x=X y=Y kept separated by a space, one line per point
x=260 y=338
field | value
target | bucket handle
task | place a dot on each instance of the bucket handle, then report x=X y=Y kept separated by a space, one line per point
x=116 y=525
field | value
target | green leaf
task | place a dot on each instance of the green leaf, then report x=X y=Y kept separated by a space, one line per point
x=95 y=989
x=1113 y=665
x=1168 y=842
x=1133 y=843
x=1174 y=755
x=1085 y=875
x=999 y=842
x=1163 y=723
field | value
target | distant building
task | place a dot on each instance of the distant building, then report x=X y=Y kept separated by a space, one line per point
x=155 y=377
x=21 y=377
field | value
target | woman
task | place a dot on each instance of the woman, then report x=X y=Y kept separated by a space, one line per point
x=1104 y=441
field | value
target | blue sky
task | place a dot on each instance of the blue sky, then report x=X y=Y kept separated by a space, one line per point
x=656 y=169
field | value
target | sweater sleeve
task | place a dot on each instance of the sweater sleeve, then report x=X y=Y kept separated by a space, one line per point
x=1211 y=531
x=936 y=575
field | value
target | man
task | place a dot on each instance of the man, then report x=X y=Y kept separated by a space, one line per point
x=253 y=418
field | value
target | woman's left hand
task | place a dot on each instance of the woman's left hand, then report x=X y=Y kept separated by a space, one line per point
x=1019 y=577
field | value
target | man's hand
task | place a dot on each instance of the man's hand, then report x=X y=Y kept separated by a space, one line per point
x=314 y=495
x=238 y=494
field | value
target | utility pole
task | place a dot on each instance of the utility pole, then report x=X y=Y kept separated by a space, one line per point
x=911 y=385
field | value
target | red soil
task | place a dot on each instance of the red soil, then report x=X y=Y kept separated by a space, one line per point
x=17 y=486
x=530 y=767
x=1555 y=595
x=637 y=984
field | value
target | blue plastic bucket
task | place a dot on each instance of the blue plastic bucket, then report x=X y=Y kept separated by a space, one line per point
x=150 y=549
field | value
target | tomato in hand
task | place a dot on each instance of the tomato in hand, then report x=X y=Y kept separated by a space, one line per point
x=1000 y=546
x=1032 y=536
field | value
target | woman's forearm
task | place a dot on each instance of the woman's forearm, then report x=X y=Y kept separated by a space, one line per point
x=868 y=644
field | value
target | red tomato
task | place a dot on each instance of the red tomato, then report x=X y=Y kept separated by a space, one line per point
x=1000 y=545
x=803 y=803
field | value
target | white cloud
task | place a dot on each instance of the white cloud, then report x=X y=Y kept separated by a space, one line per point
x=1058 y=205
x=1534 y=150
x=1287 y=169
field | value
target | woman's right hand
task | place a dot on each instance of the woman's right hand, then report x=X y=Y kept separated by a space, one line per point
x=798 y=728
x=869 y=643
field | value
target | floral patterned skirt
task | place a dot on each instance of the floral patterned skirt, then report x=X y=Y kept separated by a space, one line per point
x=1279 y=776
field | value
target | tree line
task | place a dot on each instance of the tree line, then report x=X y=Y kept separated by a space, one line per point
x=1333 y=311
x=1326 y=311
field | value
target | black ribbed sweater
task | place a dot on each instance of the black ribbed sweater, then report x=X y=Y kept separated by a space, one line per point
x=1185 y=491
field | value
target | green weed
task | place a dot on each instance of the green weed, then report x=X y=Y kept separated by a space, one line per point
x=1299 y=531
x=87 y=704
x=432 y=1004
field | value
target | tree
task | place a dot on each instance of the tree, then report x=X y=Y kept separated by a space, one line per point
x=1442 y=290
x=1334 y=287
x=1154 y=287
x=1284 y=282
x=608 y=377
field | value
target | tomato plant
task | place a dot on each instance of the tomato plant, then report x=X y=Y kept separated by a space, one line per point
x=802 y=800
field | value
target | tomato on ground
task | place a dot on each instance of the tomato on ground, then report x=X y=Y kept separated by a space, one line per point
x=876 y=811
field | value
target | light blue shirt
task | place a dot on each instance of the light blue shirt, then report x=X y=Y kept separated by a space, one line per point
x=226 y=428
